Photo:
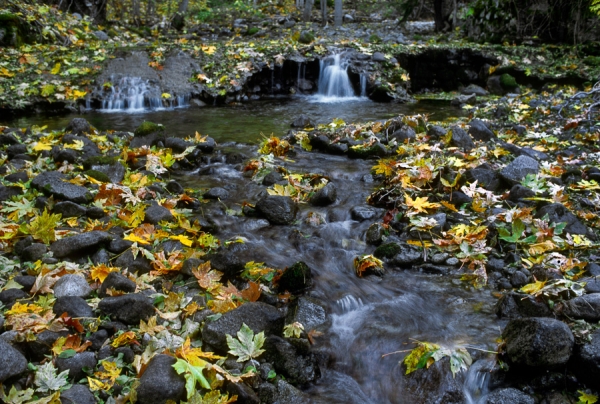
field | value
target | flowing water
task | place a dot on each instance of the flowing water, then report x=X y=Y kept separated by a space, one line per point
x=368 y=317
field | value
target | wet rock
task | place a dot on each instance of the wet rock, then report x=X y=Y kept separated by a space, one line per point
x=12 y=362
x=407 y=255
x=231 y=259
x=43 y=343
x=464 y=99
x=515 y=171
x=89 y=149
x=362 y=213
x=177 y=144
x=593 y=269
x=272 y=178
x=403 y=134
x=587 y=360
x=479 y=130
x=7 y=139
x=114 y=172
x=519 y=279
x=216 y=193
x=97 y=339
x=474 y=89
x=175 y=188
x=337 y=148
x=586 y=307
x=160 y=382
x=325 y=196
x=16 y=149
x=375 y=150
x=129 y=309
x=517 y=305
x=277 y=209
x=116 y=281
x=78 y=126
x=7 y=193
x=94 y=212
x=558 y=213
x=62 y=155
x=245 y=395
x=78 y=394
x=22 y=244
x=485 y=177
x=436 y=132
x=285 y=393
x=297 y=369
x=72 y=285
x=508 y=395
x=208 y=146
x=76 y=365
x=538 y=342
x=375 y=234
x=494 y=86
x=155 y=214
x=296 y=278
x=20 y=176
x=80 y=243
x=461 y=139
x=26 y=280
x=34 y=252
x=101 y=257
x=69 y=209
x=378 y=57
x=593 y=285
x=257 y=315
x=74 y=306
x=387 y=250
x=308 y=312
x=53 y=183
x=302 y=121
x=189 y=265
x=518 y=193
x=118 y=245
x=434 y=385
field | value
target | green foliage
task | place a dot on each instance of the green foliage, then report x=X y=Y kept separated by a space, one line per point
x=426 y=354
x=247 y=345
x=518 y=227
x=147 y=128
x=192 y=375
x=595 y=7
x=46 y=378
x=507 y=81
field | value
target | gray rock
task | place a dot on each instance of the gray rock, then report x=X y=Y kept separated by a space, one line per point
x=362 y=213
x=508 y=395
x=16 y=149
x=302 y=121
x=403 y=134
x=485 y=177
x=177 y=144
x=74 y=306
x=216 y=193
x=494 y=86
x=285 y=393
x=34 y=252
x=115 y=172
x=207 y=146
x=72 y=285
x=436 y=132
x=80 y=243
x=95 y=212
x=593 y=285
x=8 y=192
x=587 y=360
x=296 y=278
x=518 y=193
x=461 y=139
x=538 y=342
x=139 y=264
x=101 y=36
x=53 y=183
x=90 y=149
x=129 y=309
x=479 y=130
x=41 y=347
x=518 y=305
x=78 y=394
x=97 y=339
x=519 y=279
x=100 y=257
x=297 y=368
x=308 y=312
x=78 y=126
x=258 y=316
x=593 y=269
x=515 y=171
x=375 y=234
x=12 y=362
x=175 y=188
x=407 y=255
x=558 y=213
x=116 y=281
x=586 y=307
x=76 y=365
x=118 y=245
x=378 y=57
x=231 y=259
x=277 y=209
x=155 y=214
x=474 y=89
x=325 y=196
x=17 y=177
x=464 y=99
x=69 y=209
x=160 y=382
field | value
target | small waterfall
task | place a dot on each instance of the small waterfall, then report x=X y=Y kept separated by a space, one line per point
x=135 y=94
x=333 y=78
x=363 y=85
x=477 y=381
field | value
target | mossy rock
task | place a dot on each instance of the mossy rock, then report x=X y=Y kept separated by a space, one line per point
x=592 y=60
x=388 y=250
x=507 y=81
x=147 y=128
x=374 y=39
x=296 y=278
x=376 y=150
x=306 y=37
x=99 y=161
x=97 y=175
x=252 y=30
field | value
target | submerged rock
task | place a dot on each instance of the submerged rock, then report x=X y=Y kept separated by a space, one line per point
x=277 y=209
x=296 y=278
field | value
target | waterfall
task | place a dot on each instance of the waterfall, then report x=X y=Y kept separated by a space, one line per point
x=333 y=78
x=477 y=382
x=363 y=85
x=135 y=94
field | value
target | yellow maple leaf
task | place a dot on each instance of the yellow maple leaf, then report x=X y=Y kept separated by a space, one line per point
x=55 y=69
x=209 y=50
x=150 y=327
x=111 y=371
x=420 y=204
x=384 y=167
x=136 y=239
x=126 y=338
x=533 y=288
x=186 y=241
x=195 y=356
x=24 y=308
x=96 y=385
x=41 y=146
x=76 y=145
x=100 y=272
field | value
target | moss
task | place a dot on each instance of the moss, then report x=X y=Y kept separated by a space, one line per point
x=97 y=175
x=306 y=37
x=99 y=161
x=376 y=150
x=147 y=128
x=388 y=250
x=592 y=60
x=374 y=39
x=295 y=278
x=507 y=81
x=252 y=31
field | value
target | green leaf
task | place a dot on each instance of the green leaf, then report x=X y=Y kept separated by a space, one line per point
x=68 y=353
x=192 y=374
x=14 y=396
x=248 y=345
x=48 y=90
x=19 y=209
x=293 y=330
x=585 y=398
x=518 y=227
x=42 y=227
x=46 y=378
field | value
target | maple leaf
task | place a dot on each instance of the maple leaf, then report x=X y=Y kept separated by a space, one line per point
x=252 y=292
x=247 y=345
x=75 y=145
x=419 y=205
x=212 y=397
x=533 y=288
x=385 y=167
x=46 y=378
x=136 y=239
x=42 y=227
x=293 y=330
x=518 y=227
x=164 y=264
x=207 y=279
x=17 y=210
x=192 y=374
x=111 y=371
x=367 y=263
x=101 y=271
x=150 y=327
x=585 y=398
x=186 y=241
x=195 y=356
x=15 y=396
x=127 y=338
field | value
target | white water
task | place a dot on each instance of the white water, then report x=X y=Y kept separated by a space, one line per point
x=133 y=94
x=476 y=385
x=334 y=82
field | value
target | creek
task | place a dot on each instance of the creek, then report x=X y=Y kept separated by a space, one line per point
x=367 y=317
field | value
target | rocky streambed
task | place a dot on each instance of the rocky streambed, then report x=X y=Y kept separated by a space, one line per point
x=349 y=262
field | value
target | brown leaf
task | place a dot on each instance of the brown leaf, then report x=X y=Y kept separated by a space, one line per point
x=252 y=292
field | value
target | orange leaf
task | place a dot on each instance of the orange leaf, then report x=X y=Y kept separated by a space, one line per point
x=252 y=292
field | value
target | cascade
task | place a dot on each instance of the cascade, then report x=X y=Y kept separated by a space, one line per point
x=333 y=78
x=476 y=385
x=363 y=85
x=136 y=94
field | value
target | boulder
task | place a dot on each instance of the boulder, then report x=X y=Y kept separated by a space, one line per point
x=69 y=209
x=160 y=382
x=515 y=171
x=216 y=193
x=74 y=306
x=231 y=259
x=362 y=213
x=485 y=177
x=79 y=244
x=257 y=315
x=461 y=139
x=407 y=255
x=12 y=362
x=403 y=134
x=308 y=312
x=8 y=192
x=78 y=126
x=53 y=183
x=139 y=264
x=78 y=394
x=375 y=234
x=558 y=213
x=155 y=214
x=129 y=309
x=586 y=307
x=34 y=252
x=587 y=360
x=479 y=130
x=118 y=282
x=72 y=285
x=302 y=121
x=474 y=89
x=325 y=196
x=517 y=305
x=508 y=395
x=76 y=365
x=538 y=342
x=277 y=209
x=297 y=368
x=296 y=278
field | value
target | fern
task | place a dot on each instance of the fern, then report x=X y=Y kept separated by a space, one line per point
x=595 y=7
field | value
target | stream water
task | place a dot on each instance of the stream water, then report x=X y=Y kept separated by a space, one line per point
x=368 y=317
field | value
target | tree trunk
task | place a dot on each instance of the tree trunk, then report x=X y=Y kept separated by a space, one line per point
x=150 y=10
x=183 y=6
x=308 y=5
x=324 y=13
x=299 y=4
x=438 y=12
x=338 y=13
x=136 y=12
